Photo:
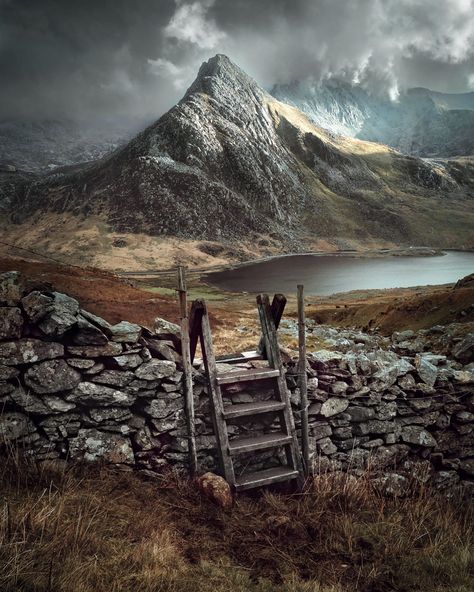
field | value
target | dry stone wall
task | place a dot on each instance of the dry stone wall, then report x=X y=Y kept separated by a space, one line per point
x=74 y=387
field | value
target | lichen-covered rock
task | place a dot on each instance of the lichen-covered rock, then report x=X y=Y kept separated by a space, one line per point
x=28 y=401
x=95 y=351
x=417 y=435
x=127 y=361
x=37 y=305
x=333 y=406
x=359 y=414
x=52 y=376
x=29 y=351
x=88 y=393
x=155 y=369
x=163 y=349
x=161 y=408
x=427 y=371
x=125 y=332
x=91 y=445
x=86 y=333
x=118 y=378
x=62 y=315
x=165 y=329
x=80 y=363
x=15 y=426
x=11 y=322
x=107 y=414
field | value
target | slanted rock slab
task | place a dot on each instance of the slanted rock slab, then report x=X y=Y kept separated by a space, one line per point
x=155 y=369
x=88 y=393
x=333 y=406
x=417 y=435
x=125 y=332
x=11 y=323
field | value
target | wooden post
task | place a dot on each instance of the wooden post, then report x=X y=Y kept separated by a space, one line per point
x=187 y=370
x=303 y=381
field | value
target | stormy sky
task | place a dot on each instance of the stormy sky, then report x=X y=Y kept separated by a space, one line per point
x=135 y=58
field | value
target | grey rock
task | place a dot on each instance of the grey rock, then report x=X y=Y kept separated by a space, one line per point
x=161 y=408
x=15 y=426
x=95 y=351
x=320 y=430
x=11 y=323
x=52 y=376
x=86 y=333
x=37 y=305
x=155 y=369
x=417 y=435
x=62 y=315
x=125 y=332
x=57 y=404
x=393 y=484
x=28 y=401
x=28 y=351
x=99 y=322
x=339 y=387
x=386 y=410
x=163 y=349
x=333 y=406
x=8 y=372
x=80 y=363
x=128 y=361
x=403 y=335
x=373 y=426
x=445 y=480
x=118 y=378
x=105 y=414
x=88 y=393
x=463 y=376
x=164 y=329
x=464 y=350
x=406 y=382
x=359 y=414
x=325 y=446
x=426 y=370
x=467 y=466
x=95 y=369
x=10 y=288
x=387 y=375
x=464 y=417
x=92 y=445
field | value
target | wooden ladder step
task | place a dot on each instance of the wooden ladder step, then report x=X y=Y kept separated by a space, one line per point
x=245 y=375
x=265 y=477
x=245 y=409
x=245 y=356
x=261 y=442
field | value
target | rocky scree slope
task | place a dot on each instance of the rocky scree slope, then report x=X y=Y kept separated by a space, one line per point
x=229 y=162
x=420 y=122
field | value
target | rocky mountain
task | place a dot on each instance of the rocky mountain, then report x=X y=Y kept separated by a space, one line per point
x=45 y=144
x=420 y=122
x=229 y=163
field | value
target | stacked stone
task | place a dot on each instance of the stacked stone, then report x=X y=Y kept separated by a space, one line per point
x=74 y=386
x=404 y=417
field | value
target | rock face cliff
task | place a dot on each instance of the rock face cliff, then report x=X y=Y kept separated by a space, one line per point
x=420 y=122
x=231 y=163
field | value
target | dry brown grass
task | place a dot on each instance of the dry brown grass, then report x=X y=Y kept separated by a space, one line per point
x=94 y=530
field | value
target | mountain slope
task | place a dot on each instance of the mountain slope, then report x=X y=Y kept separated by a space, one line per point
x=231 y=164
x=421 y=122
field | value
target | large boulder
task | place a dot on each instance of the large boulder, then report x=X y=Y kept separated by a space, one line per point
x=11 y=323
x=37 y=305
x=52 y=376
x=29 y=351
x=427 y=371
x=216 y=489
x=91 y=445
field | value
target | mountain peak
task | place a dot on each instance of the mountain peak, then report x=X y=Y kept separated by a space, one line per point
x=219 y=75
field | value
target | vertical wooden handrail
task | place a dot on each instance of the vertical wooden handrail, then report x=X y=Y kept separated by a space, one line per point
x=277 y=308
x=187 y=370
x=303 y=380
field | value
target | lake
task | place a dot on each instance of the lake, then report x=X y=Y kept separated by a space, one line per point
x=329 y=274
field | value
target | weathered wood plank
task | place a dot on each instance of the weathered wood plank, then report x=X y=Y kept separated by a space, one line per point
x=255 y=408
x=217 y=406
x=277 y=308
x=245 y=375
x=265 y=477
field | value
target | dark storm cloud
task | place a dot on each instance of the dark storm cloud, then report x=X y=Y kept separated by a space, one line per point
x=135 y=58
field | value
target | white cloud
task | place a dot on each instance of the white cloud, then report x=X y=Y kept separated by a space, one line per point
x=190 y=23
